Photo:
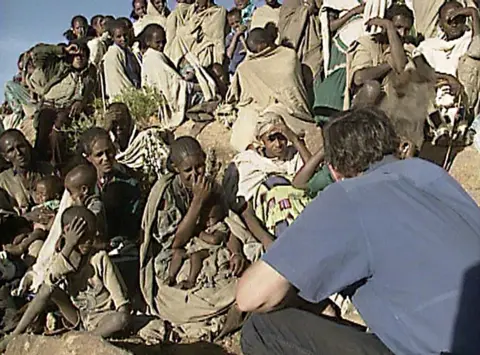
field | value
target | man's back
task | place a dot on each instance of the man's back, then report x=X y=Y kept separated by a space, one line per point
x=422 y=233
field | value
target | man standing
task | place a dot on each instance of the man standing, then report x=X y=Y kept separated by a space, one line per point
x=403 y=234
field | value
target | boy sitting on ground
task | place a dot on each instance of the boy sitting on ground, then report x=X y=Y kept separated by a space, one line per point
x=47 y=195
x=211 y=238
x=82 y=282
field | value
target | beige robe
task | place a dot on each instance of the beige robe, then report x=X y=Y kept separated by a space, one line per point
x=264 y=15
x=176 y=20
x=158 y=73
x=116 y=79
x=203 y=35
x=98 y=48
x=268 y=81
x=303 y=31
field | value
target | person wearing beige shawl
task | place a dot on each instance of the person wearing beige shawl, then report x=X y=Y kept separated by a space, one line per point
x=270 y=79
x=299 y=25
x=169 y=221
x=159 y=73
x=455 y=53
x=427 y=15
x=177 y=19
x=157 y=13
x=268 y=14
x=203 y=35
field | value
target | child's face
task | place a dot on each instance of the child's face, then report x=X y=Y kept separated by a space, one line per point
x=214 y=216
x=157 y=41
x=41 y=193
x=79 y=29
x=275 y=144
x=140 y=8
x=241 y=4
x=120 y=37
x=158 y=4
x=234 y=21
x=85 y=244
x=99 y=26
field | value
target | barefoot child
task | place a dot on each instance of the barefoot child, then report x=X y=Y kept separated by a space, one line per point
x=82 y=282
x=214 y=235
x=235 y=40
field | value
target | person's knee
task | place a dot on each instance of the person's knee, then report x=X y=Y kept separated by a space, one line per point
x=123 y=319
x=372 y=89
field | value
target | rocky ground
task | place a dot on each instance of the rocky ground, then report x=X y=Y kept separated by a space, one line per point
x=465 y=168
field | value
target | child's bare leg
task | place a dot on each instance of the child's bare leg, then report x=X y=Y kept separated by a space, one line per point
x=196 y=263
x=113 y=323
x=175 y=265
x=66 y=307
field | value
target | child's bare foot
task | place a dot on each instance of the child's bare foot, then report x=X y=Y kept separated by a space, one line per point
x=170 y=281
x=186 y=285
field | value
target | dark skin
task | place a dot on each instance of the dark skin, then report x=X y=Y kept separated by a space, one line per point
x=80 y=28
x=274 y=4
x=395 y=31
x=335 y=24
x=120 y=37
x=157 y=41
x=235 y=23
x=140 y=8
x=158 y=4
x=453 y=22
x=122 y=130
x=17 y=151
x=78 y=236
x=102 y=156
x=308 y=170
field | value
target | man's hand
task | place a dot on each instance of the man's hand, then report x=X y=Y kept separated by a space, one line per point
x=202 y=189
x=19 y=238
x=456 y=88
x=311 y=7
x=463 y=11
x=241 y=30
x=76 y=109
x=287 y=132
x=72 y=49
x=15 y=250
x=358 y=10
x=380 y=22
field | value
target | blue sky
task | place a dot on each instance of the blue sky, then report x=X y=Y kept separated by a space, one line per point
x=23 y=23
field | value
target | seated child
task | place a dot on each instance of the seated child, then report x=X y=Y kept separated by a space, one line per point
x=214 y=235
x=47 y=195
x=81 y=183
x=82 y=282
x=235 y=40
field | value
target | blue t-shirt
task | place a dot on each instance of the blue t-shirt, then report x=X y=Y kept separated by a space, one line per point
x=409 y=234
x=238 y=55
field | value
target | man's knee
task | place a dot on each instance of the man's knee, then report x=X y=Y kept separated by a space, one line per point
x=251 y=340
x=368 y=94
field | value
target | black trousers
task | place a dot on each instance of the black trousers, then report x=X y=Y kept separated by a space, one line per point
x=292 y=331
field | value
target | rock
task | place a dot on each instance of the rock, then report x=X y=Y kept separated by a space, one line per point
x=72 y=343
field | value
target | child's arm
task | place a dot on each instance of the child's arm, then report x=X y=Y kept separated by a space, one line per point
x=215 y=238
x=22 y=246
x=234 y=42
x=256 y=228
x=238 y=262
x=300 y=181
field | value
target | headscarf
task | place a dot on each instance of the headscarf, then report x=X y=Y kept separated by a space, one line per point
x=267 y=123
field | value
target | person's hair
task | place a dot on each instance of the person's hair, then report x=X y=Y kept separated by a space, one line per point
x=133 y=14
x=447 y=4
x=358 y=138
x=181 y=148
x=115 y=24
x=234 y=12
x=147 y=34
x=81 y=175
x=95 y=19
x=12 y=132
x=53 y=184
x=21 y=58
x=89 y=138
x=256 y=37
x=399 y=10
x=82 y=45
x=68 y=34
x=82 y=212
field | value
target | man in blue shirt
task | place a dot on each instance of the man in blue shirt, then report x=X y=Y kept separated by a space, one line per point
x=403 y=231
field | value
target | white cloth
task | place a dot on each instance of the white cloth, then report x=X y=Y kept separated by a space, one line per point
x=254 y=168
x=442 y=55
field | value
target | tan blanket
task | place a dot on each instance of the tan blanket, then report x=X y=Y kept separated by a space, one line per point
x=263 y=15
x=303 y=31
x=203 y=35
x=116 y=79
x=268 y=81
x=177 y=19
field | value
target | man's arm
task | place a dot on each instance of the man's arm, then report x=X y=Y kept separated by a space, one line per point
x=262 y=289
x=373 y=73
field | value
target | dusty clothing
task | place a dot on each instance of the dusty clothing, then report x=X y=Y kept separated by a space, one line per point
x=268 y=81
x=96 y=287
x=176 y=20
x=303 y=31
x=167 y=205
x=98 y=48
x=460 y=58
x=159 y=73
x=20 y=190
x=203 y=35
x=122 y=71
x=55 y=81
x=264 y=15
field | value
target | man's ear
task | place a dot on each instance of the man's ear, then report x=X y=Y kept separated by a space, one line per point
x=406 y=149
x=85 y=189
x=335 y=174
